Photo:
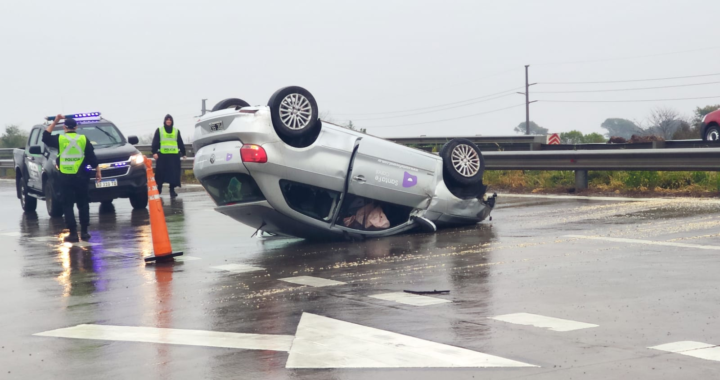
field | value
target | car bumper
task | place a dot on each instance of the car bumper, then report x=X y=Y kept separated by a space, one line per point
x=134 y=182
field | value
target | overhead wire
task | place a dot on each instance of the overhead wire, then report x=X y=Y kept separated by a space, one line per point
x=512 y=90
x=625 y=101
x=633 y=80
x=438 y=110
x=450 y=119
x=624 y=89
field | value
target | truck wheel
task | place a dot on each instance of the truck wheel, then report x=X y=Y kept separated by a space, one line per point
x=52 y=202
x=28 y=204
x=229 y=103
x=139 y=201
x=294 y=114
x=463 y=162
x=712 y=133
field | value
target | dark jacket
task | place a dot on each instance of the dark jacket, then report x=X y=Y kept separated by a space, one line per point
x=167 y=167
x=90 y=158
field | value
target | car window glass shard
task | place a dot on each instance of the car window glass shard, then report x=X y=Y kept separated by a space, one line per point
x=312 y=201
x=232 y=188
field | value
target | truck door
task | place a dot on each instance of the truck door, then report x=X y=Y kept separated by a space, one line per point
x=393 y=173
x=34 y=162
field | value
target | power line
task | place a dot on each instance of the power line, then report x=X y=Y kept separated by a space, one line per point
x=512 y=90
x=635 y=80
x=625 y=101
x=625 y=89
x=626 y=58
x=438 y=110
x=454 y=118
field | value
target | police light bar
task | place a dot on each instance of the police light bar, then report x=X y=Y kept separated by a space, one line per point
x=79 y=116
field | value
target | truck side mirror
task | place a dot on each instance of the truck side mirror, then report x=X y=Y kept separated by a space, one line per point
x=35 y=149
x=133 y=140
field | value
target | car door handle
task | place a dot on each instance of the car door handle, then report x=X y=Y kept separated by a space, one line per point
x=359 y=178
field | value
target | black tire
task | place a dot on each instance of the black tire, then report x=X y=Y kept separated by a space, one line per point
x=468 y=166
x=139 y=201
x=52 y=202
x=294 y=113
x=712 y=133
x=28 y=204
x=229 y=103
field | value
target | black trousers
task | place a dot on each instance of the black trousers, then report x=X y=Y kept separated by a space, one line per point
x=74 y=190
x=160 y=186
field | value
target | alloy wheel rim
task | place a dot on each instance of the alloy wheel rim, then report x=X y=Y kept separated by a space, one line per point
x=295 y=111
x=713 y=135
x=465 y=160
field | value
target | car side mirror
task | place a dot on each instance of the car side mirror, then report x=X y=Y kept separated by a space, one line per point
x=35 y=149
x=133 y=140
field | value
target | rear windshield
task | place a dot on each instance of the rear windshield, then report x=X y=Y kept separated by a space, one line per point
x=100 y=135
x=231 y=188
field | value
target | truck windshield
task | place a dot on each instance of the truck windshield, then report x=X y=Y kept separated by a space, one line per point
x=100 y=135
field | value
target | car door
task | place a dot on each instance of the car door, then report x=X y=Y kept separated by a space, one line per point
x=389 y=172
x=34 y=162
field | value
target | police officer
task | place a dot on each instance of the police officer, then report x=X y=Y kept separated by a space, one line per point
x=75 y=152
x=168 y=148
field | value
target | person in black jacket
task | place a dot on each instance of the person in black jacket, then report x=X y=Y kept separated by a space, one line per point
x=72 y=178
x=167 y=149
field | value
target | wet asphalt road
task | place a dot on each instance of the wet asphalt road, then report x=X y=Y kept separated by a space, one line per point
x=638 y=294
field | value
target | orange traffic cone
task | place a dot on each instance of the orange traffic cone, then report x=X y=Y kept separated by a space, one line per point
x=161 y=238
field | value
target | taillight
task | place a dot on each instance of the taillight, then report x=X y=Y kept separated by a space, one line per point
x=253 y=153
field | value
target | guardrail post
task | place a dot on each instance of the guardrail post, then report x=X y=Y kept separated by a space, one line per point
x=581 y=179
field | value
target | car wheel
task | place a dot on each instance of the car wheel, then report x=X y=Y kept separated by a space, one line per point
x=139 y=201
x=463 y=163
x=712 y=133
x=229 y=103
x=294 y=114
x=52 y=202
x=28 y=204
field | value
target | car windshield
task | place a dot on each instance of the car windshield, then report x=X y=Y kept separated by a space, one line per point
x=100 y=135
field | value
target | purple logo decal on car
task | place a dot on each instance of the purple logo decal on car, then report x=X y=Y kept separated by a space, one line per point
x=409 y=180
x=228 y=157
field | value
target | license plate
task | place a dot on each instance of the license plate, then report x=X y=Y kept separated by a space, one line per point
x=108 y=183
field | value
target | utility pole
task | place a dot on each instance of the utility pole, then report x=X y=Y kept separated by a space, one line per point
x=527 y=100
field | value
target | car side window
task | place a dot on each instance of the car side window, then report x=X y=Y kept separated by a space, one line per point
x=34 y=136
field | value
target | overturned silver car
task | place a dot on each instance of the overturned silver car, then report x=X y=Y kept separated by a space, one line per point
x=282 y=170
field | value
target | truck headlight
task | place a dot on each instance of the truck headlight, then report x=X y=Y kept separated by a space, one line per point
x=137 y=159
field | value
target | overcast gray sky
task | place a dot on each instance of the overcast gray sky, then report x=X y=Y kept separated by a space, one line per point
x=136 y=60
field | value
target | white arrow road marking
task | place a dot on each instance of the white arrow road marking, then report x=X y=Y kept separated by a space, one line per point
x=550 y=323
x=322 y=342
x=311 y=281
x=237 y=268
x=647 y=242
x=410 y=299
x=175 y=336
x=689 y=348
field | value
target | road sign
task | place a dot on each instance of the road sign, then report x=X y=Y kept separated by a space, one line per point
x=554 y=139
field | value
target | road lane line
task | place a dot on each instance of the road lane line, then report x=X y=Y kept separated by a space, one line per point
x=322 y=342
x=550 y=323
x=311 y=281
x=11 y=234
x=174 y=336
x=409 y=299
x=237 y=268
x=690 y=348
x=647 y=242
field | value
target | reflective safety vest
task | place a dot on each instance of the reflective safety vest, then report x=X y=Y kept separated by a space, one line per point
x=168 y=141
x=72 y=152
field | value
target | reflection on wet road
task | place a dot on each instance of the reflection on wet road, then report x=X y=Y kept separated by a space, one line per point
x=551 y=288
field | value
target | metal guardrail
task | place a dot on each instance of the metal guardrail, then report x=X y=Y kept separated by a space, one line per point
x=696 y=159
x=480 y=140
